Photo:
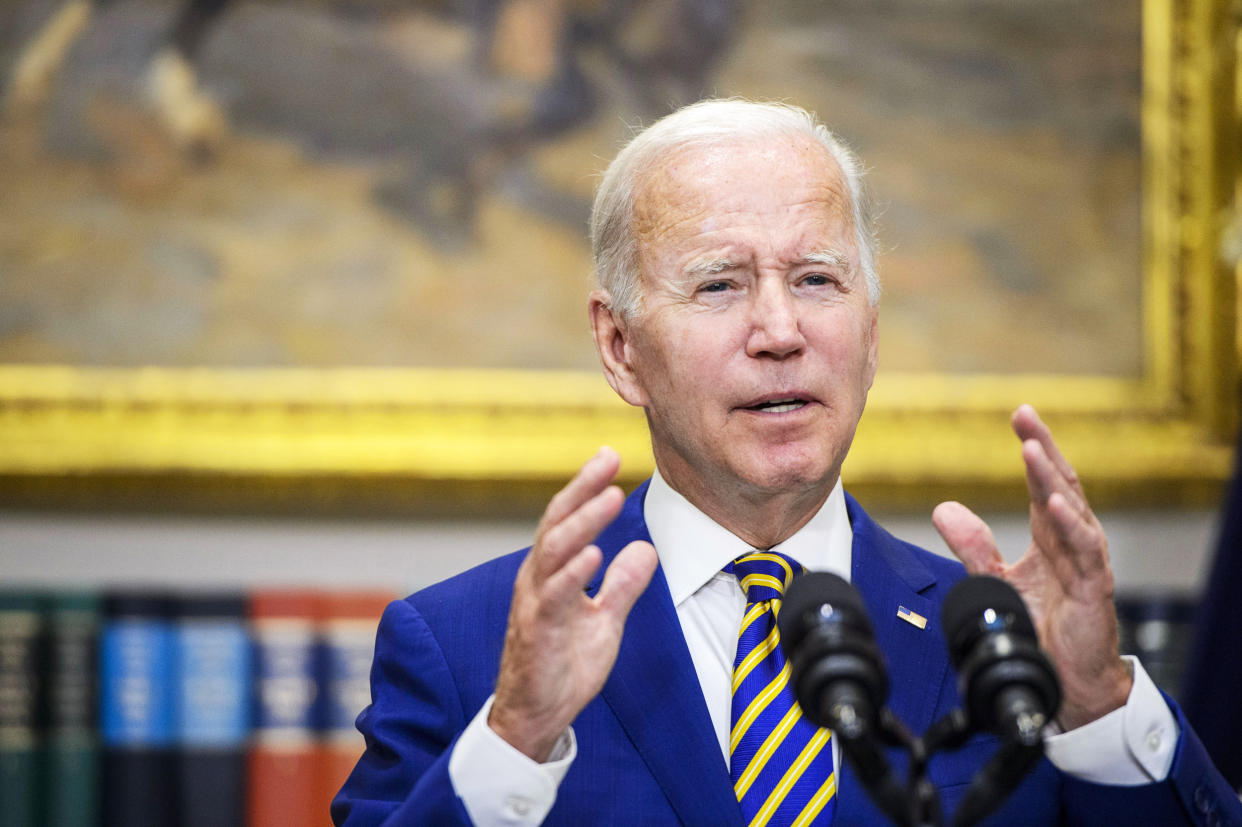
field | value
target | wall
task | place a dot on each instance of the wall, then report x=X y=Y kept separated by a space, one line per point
x=1150 y=549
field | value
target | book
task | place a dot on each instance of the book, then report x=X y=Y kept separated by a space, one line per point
x=70 y=794
x=284 y=756
x=348 y=645
x=21 y=654
x=136 y=711
x=195 y=709
x=212 y=704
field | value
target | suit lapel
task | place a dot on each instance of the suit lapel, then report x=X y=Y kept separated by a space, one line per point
x=670 y=726
x=890 y=577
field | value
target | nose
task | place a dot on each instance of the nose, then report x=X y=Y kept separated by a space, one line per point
x=775 y=331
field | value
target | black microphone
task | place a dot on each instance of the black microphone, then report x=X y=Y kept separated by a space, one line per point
x=838 y=677
x=1009 y=685
x=836 y=669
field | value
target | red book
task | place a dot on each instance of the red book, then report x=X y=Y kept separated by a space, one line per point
x=284 y=756
x=348 y=633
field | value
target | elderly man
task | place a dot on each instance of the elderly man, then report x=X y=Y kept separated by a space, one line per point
x=599 y=676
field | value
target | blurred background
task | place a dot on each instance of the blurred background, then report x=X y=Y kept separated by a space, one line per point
x=225 y=188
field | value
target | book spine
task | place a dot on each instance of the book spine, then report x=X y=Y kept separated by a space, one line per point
x=21 y=652
x=348 y=641
x=137 y=712
x=285 y=754
x=71 y=773
x=213 y=709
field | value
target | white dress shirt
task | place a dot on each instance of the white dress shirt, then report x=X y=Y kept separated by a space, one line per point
x=499 y=785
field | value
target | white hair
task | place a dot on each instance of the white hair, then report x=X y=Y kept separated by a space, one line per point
x=708 y=121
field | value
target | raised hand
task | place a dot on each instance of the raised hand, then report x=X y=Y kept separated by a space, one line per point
x=561 y=644
x=1064 y=576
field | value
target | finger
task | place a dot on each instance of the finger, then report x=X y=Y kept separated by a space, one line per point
x=565 y=539
x=627 y=576
x=1082 y=538
x=594 y=475
x=1044 y=478
x=1028 y=425
x=969 y=538
x=565 y=585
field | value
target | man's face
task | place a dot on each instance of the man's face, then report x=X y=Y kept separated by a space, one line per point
x=756 y=342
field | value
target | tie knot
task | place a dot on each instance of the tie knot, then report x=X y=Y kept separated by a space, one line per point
x=764 y=575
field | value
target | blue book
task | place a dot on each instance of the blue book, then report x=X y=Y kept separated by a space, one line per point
x=136 y=711
x=213 y=708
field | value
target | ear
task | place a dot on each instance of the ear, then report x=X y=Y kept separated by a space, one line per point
x=873 y=346
x=612 y=343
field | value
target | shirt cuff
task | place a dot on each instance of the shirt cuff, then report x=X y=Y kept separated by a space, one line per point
x=497 y=784
x=1129 y=746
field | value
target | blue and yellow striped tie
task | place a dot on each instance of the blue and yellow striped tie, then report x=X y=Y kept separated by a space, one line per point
x=780 y=763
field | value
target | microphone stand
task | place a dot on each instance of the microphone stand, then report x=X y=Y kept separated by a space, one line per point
x=862 y=748
x=918 y=804
x=922 y=800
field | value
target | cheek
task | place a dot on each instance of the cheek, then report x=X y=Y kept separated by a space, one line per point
x=847 y=346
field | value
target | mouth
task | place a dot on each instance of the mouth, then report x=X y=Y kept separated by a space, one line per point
x=784 y=404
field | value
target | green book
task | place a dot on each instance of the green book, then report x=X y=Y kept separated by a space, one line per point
x=21 y=652
x=71 y=743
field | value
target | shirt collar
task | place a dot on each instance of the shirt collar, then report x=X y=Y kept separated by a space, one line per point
x=693 y=548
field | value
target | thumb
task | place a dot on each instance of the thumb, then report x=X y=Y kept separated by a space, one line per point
x=969 y=538
x=626 y=578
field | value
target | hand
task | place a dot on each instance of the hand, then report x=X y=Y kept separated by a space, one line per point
x=1064 y=577
x=561 y=644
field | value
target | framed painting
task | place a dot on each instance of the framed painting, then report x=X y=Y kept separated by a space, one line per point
x=300 y=255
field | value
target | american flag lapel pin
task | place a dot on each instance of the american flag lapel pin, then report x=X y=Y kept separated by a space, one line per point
x=913 y=618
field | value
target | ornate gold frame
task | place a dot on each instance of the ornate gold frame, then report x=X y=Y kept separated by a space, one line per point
x=436 y=440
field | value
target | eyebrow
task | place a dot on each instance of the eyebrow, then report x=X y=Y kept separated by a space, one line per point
x=709 y=267
x=715 y=266
x=829 y=258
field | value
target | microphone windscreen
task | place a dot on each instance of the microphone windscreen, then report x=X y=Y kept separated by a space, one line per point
x=811 y=592
x=965 y=611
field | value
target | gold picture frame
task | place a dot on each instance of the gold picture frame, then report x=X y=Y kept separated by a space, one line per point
x=497 y=441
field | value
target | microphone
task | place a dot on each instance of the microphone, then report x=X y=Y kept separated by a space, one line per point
x=1009 y=685
x=839 y=678
x=836 y=669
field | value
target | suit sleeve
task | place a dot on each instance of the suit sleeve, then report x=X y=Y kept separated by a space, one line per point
x=1194 y=793
x=410 y=728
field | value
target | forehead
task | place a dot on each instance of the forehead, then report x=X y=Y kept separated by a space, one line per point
x=775 y=191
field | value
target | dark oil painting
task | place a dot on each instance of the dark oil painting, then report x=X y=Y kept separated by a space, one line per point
x=393 y=183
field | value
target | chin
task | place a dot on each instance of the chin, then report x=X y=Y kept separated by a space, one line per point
x=776 y=475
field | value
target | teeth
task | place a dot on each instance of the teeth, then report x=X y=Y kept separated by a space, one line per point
x=781 y=405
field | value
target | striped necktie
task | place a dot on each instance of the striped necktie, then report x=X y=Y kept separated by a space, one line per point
x=780 y=763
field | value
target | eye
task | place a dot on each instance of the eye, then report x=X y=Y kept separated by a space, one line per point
x=714 y=287
x=818 y=280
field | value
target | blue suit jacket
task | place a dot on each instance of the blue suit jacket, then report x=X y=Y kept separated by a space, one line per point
x=647 y=753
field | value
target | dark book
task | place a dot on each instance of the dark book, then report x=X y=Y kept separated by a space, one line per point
x=71 y=768
x=213 y=708
x=21 y=654
x=136 y=711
